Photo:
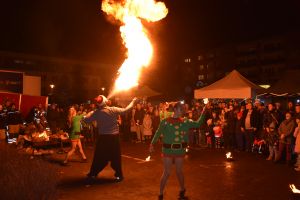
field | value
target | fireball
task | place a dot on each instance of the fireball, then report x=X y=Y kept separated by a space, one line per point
x=134 y=35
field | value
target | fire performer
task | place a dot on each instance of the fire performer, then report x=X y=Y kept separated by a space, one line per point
x=174 y=132
x=107 y=144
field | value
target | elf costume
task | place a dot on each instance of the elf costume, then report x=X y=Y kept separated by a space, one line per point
x=175 y=134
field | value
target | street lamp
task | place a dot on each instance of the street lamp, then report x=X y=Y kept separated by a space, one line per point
x=103 y=88
x=52 y=86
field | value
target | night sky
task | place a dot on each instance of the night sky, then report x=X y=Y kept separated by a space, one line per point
x=78 y=29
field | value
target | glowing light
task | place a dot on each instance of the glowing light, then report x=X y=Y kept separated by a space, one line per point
x=205 y=101
x=294 y=189
x=187 y=150
x=265 y=86
x=139 y=49
x=148 y=158
x=52 y=86
x=229 y=155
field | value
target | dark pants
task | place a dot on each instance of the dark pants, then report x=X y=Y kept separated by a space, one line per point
x=240 y=141
x=288 y=151
x=107 y=149
x=249 y=137
x=229 y=139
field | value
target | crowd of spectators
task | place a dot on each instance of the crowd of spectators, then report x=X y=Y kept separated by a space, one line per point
x=242 y=126
x=246 y=126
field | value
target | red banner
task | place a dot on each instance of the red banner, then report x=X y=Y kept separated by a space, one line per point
x=23 y=102
x=12 y=97
x=28 y=102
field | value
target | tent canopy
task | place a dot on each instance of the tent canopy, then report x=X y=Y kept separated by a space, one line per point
x=287 y=85
x=234 y=85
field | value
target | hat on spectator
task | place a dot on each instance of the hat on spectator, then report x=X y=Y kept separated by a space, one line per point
x=101 y=100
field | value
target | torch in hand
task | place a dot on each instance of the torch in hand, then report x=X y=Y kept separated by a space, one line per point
x=205 y=101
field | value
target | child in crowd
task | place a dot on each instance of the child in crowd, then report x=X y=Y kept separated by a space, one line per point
x=218 y=135
x=147 y=127
x=209 y=133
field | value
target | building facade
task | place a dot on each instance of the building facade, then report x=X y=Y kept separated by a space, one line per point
x=63 y=80
x=262 y=61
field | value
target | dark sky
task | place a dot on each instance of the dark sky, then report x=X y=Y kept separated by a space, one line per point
x=78 y=29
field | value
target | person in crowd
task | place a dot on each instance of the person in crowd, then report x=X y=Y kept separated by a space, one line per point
x=249 y=125
x=14 y=121
x=209 y=132
x=202 y=129
x=125 y=126
x=7 y=105
x=226 y=142
x=74 y=120
x=138 y=119
x=147 y=126
x=280 y=111
x=270 y=126
x=155 y=120
x=133 y=127
x=40 y=116
x=229 y=134
x=261 y=110
x=2 y=123
x=52 y=118
x=297 y=146
x=192 y=132
x=290 y=108
x=150 y=110
x=297 y=111
x=62 y=120
x=296 y=115
x=218 y=134
x=165 y=111
x=107 y=145
x=285 y=132
x=239 y=134
x=175 y=138
x=215 y=122
x=196 y=112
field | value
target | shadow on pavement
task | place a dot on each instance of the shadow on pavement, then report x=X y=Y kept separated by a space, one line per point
x=79 y=182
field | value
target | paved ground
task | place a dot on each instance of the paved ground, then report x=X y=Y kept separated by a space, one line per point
x=208 y=177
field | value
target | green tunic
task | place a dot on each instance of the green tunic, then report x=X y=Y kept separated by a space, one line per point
x=175 y=131
x=75 y=127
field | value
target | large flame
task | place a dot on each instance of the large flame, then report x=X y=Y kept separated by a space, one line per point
x=139 y=48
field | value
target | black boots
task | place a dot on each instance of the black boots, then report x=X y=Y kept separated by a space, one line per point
x=181 y=195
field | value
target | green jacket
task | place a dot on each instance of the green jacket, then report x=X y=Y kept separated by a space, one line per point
x=175 y=130
x=76 y=127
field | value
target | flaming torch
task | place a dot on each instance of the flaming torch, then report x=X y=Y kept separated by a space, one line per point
x=229 y=156
x=295 y=191
x=139 y=49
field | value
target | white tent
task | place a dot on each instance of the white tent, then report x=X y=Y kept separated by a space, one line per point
x=234 y=85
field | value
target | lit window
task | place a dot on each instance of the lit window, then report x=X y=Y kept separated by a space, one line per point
x=201 y=77
x=187 y=60
x=201 y=67
x=200 y=57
